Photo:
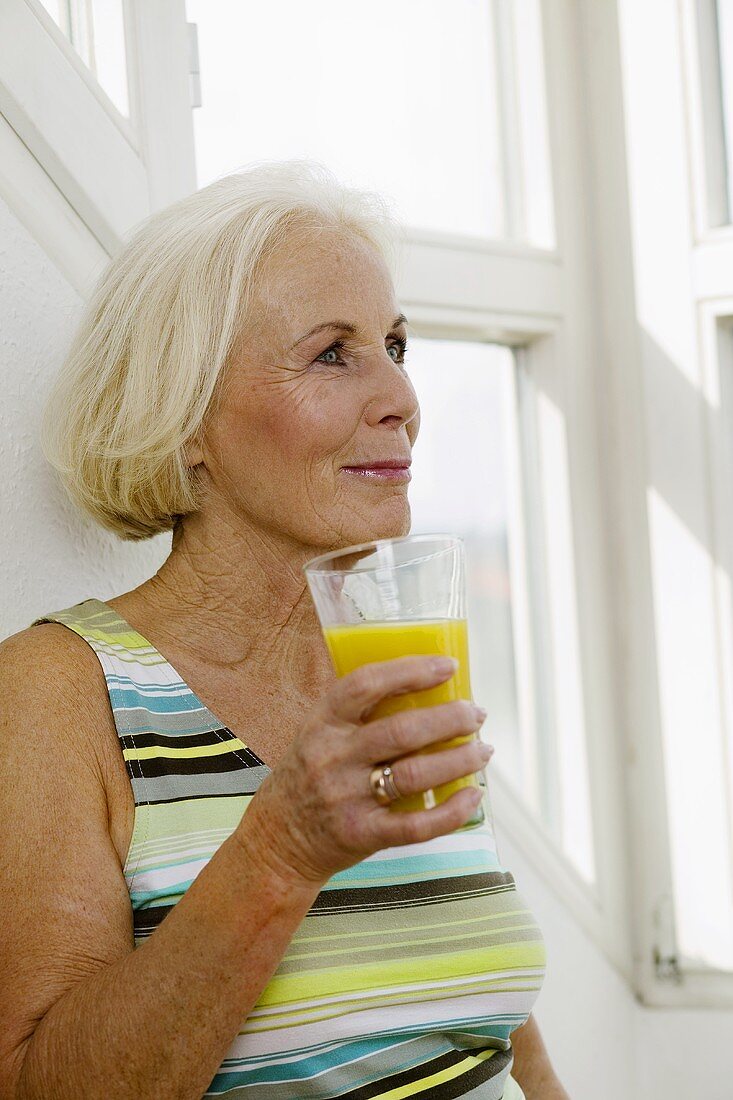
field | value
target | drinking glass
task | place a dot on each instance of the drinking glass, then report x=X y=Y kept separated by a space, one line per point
x=393 y=597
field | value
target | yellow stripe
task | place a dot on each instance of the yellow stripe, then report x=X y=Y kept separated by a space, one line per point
x=437 y=1078
x=154 y=751
x=283 y=988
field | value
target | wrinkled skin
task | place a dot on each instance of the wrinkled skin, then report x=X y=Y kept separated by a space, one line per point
x=230 y=607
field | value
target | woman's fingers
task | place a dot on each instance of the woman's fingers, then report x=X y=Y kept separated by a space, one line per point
x=356 y=694
x=319 y=792
x=392 y=828
x=414 y=774
x=410 y=730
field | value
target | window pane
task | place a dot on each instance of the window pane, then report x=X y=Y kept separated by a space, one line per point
x=96 y=30
x=562 y=757
x=715 y=69
x=694 y=752
x=533 y=138
x=461 y=483
x=406 y=101
x=725 y=46
x=695 y=646
x=490 y=464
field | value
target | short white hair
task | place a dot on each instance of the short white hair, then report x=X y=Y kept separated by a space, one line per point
x=163 y=318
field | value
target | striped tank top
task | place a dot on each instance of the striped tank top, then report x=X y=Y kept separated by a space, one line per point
x=410 y=970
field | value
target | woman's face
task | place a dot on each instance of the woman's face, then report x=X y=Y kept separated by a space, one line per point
x=297 y=407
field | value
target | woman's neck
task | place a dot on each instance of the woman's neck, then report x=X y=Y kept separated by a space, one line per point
x=238 y=600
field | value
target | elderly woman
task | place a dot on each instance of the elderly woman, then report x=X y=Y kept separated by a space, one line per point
x=202 y=895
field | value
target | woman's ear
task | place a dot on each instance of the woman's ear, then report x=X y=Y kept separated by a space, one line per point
x=192 y=453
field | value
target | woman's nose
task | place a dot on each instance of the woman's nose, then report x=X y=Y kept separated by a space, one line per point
x=394 y=395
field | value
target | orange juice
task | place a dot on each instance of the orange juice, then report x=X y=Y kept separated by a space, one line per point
x=358 y=644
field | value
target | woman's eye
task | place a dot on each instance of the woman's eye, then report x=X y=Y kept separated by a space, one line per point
x=335 y=349
x=401 y=348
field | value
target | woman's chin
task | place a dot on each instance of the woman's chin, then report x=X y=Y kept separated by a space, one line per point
x=383 y=527
x=380 y=523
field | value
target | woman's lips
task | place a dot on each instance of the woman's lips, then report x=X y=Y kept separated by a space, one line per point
x=379 y=473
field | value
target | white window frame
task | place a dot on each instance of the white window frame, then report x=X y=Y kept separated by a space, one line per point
x=114 y=171
x=664 y=281
x=578 y=322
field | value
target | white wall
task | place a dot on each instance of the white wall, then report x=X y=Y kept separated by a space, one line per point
x=604 y=1044
x=584 y=1009
x=50 y=555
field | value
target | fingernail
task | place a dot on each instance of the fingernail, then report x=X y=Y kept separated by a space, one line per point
x=445 y=664
x=480 y=712
x=487 y=751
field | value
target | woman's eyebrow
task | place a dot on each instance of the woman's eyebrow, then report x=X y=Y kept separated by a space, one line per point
x=345 y=326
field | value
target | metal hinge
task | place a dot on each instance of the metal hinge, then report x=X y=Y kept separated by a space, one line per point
x=666 y=965
x=194 y=71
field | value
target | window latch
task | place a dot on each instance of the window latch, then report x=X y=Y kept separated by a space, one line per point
x=194 y=69
x=666 y=965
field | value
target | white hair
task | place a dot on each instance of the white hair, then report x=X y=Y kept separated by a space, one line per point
x=163 y=318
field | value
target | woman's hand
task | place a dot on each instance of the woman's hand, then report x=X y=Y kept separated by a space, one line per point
x=315 y=814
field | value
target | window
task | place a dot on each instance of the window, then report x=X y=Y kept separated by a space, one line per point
x=440 y=107
x=465 y=480
x=725 y=53
x=700 y=767
x=96 y=30
x=711 y=70
x=671 y=473
x=102 y=103
x=476 y=472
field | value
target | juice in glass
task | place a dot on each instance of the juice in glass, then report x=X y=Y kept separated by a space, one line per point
x=355 y=644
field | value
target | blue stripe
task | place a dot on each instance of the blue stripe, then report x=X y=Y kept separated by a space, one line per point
x=158 y=704
x=396 y=871
x=308 y=1067
x=323 y=1063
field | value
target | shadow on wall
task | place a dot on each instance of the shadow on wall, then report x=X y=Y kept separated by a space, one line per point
x=51 y=555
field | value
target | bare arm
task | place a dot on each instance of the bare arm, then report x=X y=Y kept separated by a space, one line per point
x=532 y=1069
x=83 y=1015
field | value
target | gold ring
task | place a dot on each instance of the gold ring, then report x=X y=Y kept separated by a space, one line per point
x=383 y=786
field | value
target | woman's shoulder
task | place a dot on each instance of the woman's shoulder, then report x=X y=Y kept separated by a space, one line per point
x=50 y=661
x=55 y=715
x=54 y=695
